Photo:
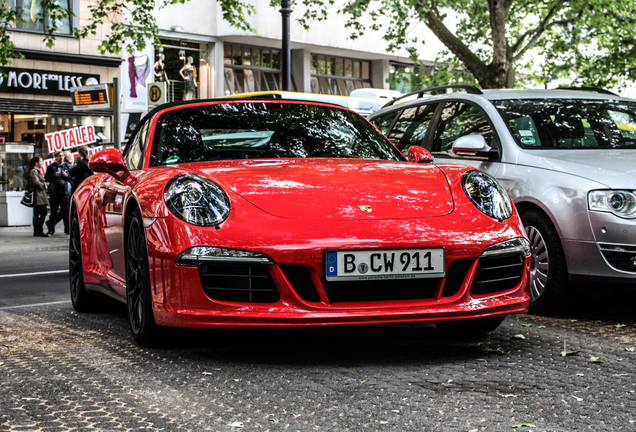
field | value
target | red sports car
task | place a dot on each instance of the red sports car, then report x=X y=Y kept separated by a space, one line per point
x=289 y=213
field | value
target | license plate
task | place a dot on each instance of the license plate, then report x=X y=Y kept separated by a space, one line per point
x=368 y=264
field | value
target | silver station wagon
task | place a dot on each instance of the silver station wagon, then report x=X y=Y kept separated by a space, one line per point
x=567 y=158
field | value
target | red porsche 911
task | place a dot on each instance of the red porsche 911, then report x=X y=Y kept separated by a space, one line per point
x=240 y=213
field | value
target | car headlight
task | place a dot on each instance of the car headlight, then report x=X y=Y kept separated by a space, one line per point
x=620 y=202
x=487 y=194
x=196 y=200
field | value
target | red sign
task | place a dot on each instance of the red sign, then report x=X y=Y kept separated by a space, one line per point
x=69 y=138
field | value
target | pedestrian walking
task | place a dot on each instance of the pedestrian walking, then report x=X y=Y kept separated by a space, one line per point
x=68 y=161
x=80 y=170
x=59 y=177
x=36 y=184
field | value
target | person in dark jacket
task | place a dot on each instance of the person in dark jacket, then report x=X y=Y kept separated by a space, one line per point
x=59 y=177
x=80 y=170
x=38 y=186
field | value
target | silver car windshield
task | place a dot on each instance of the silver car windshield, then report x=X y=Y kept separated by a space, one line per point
x=570 y=123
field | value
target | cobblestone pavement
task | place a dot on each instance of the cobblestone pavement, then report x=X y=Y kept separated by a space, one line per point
x=60 y=370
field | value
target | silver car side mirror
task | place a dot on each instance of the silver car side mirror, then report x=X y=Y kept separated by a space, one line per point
x=470 y=145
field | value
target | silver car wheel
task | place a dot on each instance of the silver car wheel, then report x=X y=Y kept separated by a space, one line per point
x=539 y=263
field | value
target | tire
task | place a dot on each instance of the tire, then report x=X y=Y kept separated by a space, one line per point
x=82 y=300
x=469 y=328
x=549 y=286
x=138 y=296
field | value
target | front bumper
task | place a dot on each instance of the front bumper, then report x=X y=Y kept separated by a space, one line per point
x=610 y=255
x=184 y=296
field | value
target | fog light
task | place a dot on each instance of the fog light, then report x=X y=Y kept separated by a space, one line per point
x=201 y=254
x=632 y=262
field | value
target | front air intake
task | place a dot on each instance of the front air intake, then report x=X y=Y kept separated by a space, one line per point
x=244 y=283
x=498 y=273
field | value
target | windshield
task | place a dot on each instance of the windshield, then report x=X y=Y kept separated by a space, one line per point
x=256 y=130
x=570 y=123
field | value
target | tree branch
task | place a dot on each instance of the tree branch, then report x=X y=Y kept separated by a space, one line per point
x=539 y=30
x=472 y=62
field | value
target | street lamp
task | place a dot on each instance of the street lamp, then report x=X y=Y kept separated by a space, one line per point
x=285 y=11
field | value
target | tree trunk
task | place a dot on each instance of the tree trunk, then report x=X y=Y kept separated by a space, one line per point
x=488 y=76
x=499 y=66
x=510 y=76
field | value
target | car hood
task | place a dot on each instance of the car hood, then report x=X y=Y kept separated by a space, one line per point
x=338 y=188
x=613 y=168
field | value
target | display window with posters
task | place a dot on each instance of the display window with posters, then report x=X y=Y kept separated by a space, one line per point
x=48 y=133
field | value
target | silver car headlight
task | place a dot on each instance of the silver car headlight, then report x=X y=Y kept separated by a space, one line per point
x=620 y=202
x=487 y=194
x=196 y=200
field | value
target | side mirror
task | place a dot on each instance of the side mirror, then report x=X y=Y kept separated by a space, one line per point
x=419 y=154
x=471 y=145
x=109 y=161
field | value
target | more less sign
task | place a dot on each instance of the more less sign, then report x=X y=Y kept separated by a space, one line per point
x=69 y=138
x=33 y=81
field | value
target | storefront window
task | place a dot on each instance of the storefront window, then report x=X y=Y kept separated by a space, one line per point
x=275 y=60
x=340 y=67
x=31 y=9
x=5 y=127
x=254 y=69
x=13 y=168
x=406 y=78
x=338 y=76
x=18 y=128
x=247 y=56
x=186 y=80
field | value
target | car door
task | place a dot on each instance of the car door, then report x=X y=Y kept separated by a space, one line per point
x=460 y=118
x=112 y=193
x=113 y=198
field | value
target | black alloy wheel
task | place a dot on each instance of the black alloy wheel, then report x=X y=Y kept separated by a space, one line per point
x=82 y=300
x=138 y=295
x=549 y=288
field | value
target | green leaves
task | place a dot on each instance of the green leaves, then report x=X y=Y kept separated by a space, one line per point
x=128 y=26
x=489 y=43
x=593 y=42
x=487 y=350
x=597 y=359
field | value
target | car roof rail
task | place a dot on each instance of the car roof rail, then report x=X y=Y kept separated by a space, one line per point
x=590 y=89
x=420 y=93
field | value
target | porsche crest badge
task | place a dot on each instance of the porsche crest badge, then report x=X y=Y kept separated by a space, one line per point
x=366 y=208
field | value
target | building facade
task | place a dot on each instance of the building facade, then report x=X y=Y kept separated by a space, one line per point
x=201 y=57
x=228 y=61
x=34 y=92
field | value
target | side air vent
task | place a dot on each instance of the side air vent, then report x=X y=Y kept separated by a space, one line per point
x=498 y=273
x=238 y=283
